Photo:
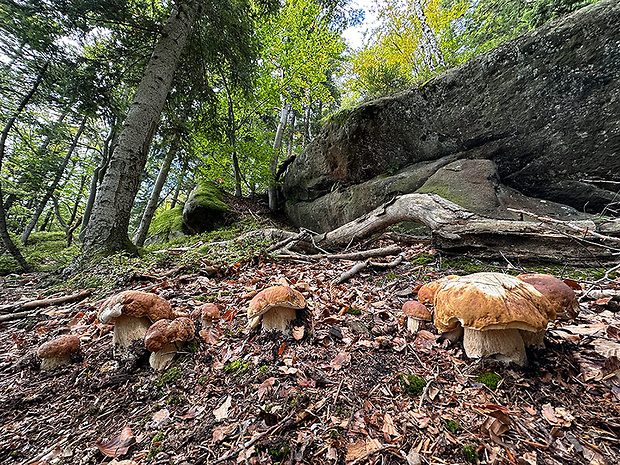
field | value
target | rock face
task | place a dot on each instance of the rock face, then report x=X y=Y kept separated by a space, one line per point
x=204 y=210
x=544 y=109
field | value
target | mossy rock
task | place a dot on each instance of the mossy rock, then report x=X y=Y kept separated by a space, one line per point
x=204 y=210
x=166 y=225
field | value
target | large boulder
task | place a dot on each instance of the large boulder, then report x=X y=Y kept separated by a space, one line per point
x=204 y=210
x=544 y=108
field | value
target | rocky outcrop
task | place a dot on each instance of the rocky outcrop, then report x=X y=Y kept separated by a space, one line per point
x=544 y=108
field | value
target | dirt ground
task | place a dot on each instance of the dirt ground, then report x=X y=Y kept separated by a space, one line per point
x=332 y=394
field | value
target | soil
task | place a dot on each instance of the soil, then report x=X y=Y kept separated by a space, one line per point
x=330 y=392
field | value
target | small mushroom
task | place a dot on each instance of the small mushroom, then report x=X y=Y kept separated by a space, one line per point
x=276 y=306
x=416 y=314
x=493 y=309
x=58 y=352
x=557 y=291
x=208 y=314
x=132 y=313
x=165 y=337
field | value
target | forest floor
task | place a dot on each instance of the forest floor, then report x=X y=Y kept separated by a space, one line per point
x=332 y=394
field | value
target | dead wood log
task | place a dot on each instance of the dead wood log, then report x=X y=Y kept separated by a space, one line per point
x=32 y=304
x=455 y=230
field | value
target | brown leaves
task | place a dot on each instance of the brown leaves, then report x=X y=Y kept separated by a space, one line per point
x=118 y=445
x=341 y=360
x=222 y=411
x=557 y=416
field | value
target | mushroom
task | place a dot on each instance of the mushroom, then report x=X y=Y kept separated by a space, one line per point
x=165 y=337
x=277 y=306
x=416 y=314
x=132 y=313
x=58 y=352
x=493 y=309
x=209 y=314
x=426 y=294
x=557 y=291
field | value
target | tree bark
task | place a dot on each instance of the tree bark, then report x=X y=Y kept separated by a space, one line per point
x=456 y=230
x=151 y=206
x=432 y=52
x=52 y=187
x=177 y=190
x=277 y=145
x=108 y=227
x=4 y=232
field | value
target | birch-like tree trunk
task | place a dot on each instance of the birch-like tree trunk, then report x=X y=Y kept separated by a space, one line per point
x=277 y=145
x=432 y=52
x=52 y=187
x=108 y=227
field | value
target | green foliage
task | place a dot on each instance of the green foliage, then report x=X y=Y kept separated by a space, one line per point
x=423 y=259
x=491 y=380
x=412 y=384
x=453 y=426
x=238 y=367
x=353 y=311
x=470 y=454
x=167 y=222
x=167 y=377
x=279 y=453
x=156 y=445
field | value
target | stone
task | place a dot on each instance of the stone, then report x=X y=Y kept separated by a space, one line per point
x=544 y=108
x=204 y=210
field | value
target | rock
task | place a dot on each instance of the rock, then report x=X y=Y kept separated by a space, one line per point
x=544 y=108
x=204 y=210
x=166 y=225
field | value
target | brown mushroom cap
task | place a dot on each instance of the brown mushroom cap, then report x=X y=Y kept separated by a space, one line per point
x=426 y=294
x=485 y=301
x=557 y=291
x=136 y=304
x=275 y=296
x=414 y=309
x=167 y=331
x=209 y=310
x=60 y=347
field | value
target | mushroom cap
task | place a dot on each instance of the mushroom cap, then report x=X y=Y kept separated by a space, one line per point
x=557 y=291
x=415 y=309
x=274 y=297
x=426 y=294
x=486 y=301
x=209 y=310
x=137 y=304
x=167 y=331
x=59 y=347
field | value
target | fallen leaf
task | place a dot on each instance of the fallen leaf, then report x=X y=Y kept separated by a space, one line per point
x=192 y=412
x=355 y=450
x=222 y=411
x=265 y=387
x=528 y=458
x=118 y=445
x=298 y=332
x=388 y=425
x=221 y=432
x=210 y=335
x=160 y=418
x=341 y=360
x=332 y=453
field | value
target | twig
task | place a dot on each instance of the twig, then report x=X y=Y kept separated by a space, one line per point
x=598 y=281
x=16 y=316
x=31 y=305
x=351 y=272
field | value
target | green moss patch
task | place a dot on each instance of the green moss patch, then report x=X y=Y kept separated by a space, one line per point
x=166 y=223
x=412 y=384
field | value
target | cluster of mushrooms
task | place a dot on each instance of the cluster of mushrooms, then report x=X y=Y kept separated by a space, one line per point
x=495 y=314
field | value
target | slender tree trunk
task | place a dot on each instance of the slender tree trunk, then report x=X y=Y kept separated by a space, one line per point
x=432 y=52
x=291 y=136
x=151 y=206
x=107 y=229
x=277 y=145
x=307 y=130
x=78 y=199
x=52 y=187
x=4 y=232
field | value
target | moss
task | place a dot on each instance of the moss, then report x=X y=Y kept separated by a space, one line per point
x=423 y=259
x=208 y=195
x=470 y=454
x=167 y=377
x=157 y=444
x=338 y=118
x=166 y=223
x=278 y=454
x=453 y=195
x=238 y=367
x=491 y=380
x=353 y=311
x=412 y=384
x=453 y=426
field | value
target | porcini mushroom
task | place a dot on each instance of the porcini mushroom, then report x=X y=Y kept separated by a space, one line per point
x=416 y=314
x=208 y=314
x=165 y=337
x=132 y=313
x=276 y=306
x=426 y=294
x=557 y=291
x=492 y=308
x=58 y=352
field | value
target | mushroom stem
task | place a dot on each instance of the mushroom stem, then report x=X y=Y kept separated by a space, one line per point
x=53 y=362
x=279 y=318
x=413 y=325
x=128 y=329
x=506 y=345
x=161 y=359
x=454 y=335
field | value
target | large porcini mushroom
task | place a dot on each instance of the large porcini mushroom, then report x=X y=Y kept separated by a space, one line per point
x=276 y=306
x=132 y=313
x=426 y=294
x=492 y=308
x=557 y=291
x=58 y=352
x=165 y=337
x=416 y=314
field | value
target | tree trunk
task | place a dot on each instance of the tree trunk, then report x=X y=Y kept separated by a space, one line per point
x=52 y=187
x=4 y=232
x=177 y=190
x=432 y=52
x=277 y=145
x=78 y=199
x=107 y=229
x=151 y=206
x=307 y=129
x=291 y=136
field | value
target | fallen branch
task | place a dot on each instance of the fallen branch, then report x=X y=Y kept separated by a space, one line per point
x=46 y=302
x=16 y=316
x=360 y=266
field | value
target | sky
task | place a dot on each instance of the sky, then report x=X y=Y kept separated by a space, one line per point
x=354 y=35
